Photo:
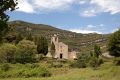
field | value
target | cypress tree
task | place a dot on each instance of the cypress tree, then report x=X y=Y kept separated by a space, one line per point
x=42 y=46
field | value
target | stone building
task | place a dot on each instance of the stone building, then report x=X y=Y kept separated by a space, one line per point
x=61 y=50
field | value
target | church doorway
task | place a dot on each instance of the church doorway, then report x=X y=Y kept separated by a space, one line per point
x=61 y=56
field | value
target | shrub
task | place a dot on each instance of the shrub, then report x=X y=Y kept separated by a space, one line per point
x=82 y=60
x=100 y=61
x=5 y=67
x=94 y=62
x=34 y=70
x=24 y=71
x=7 y=52
x=73 y=64
x=56 y=65
x=117 y=61
x=25 y=52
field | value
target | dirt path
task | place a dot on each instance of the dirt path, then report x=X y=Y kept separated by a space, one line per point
x=106 y=54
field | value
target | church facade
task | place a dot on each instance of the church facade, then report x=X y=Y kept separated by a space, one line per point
x=61 y=50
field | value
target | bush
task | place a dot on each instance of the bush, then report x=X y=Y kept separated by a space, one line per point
x=73 y=64
x=34 y=70
x=24 y=71
x=56 y=65
x=25 y=52
x=94 y=62
x=82 y=60
x=7 y=52
x=100 y=61
x=117 y=61
x=5 y=67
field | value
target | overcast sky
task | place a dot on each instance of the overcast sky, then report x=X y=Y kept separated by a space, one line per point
x=81 y=16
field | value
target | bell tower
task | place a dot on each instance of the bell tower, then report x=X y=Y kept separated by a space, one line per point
x=54 y=39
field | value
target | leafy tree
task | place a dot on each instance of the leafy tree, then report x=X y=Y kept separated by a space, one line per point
x=25 y=52
x=7 y=52
x=97 y=51
x=52 y=49
x=42 y=46
x=5 y=5
x=114 y=44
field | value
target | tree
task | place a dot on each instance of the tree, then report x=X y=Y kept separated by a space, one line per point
x=25 y=52
x=42 y=46
x=7 y=52
x=97 y=51
x=114 y=44
x=5 y=5
x=52 y=49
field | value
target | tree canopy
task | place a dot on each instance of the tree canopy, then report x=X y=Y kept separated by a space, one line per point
x=114 y=44
x=5 y=5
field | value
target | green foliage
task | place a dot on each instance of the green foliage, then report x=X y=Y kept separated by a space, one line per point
x=23 y=71
x=56 y=65
x=27 y=45
x=19 y=37
x=114 y=44
x=42 y=46
x=29 y=37
x=97 y=51
x=5 y=67
x=5 y=5
x=7 y=52
x=81 y=62
x=52 y=49
x=25 y=52
x=117 y=61
x=73 y=64
x=94 y=62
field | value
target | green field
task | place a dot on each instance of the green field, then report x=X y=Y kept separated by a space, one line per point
x=106 y=71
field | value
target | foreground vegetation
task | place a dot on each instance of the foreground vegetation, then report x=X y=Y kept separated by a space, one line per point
x=107 y=71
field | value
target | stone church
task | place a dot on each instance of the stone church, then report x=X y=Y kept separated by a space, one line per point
x=61 y=50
